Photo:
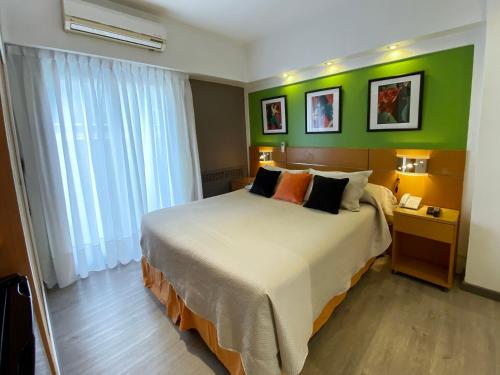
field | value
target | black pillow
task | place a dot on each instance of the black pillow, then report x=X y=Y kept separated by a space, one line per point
x=326 y=194
x=265 y=182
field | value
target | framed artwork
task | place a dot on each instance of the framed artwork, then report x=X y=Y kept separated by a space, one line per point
x=323 y=110
x=395 y=103
x=274 y=115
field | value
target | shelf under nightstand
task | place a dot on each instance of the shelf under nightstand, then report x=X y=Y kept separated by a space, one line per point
x=424 y=246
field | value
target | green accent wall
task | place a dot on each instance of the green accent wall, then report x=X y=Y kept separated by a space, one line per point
x=445 y=111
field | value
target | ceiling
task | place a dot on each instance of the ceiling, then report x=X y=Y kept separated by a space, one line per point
x=244 y=21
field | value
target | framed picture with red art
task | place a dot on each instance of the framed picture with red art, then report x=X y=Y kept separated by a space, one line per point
x=395 y=103
x=323 y=110
x=274 y=115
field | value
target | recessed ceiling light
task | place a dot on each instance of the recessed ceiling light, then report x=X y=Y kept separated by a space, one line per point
x=393 y=46
x=329 y=62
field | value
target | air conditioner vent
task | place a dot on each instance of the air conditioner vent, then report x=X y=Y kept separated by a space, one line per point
x=97 y=21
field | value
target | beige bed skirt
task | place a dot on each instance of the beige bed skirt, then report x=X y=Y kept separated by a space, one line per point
x=182 y=315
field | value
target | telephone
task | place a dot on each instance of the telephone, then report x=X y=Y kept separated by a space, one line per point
x=410 y=201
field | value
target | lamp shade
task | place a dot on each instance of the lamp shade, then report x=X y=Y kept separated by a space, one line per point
x=412 y=165
x=265 y=156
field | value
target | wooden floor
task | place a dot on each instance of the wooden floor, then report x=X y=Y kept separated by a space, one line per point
x=388 y=324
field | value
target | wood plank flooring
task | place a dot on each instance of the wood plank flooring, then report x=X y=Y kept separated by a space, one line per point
x=388 y=324
x=41 y=363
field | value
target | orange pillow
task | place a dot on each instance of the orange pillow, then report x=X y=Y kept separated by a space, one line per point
x=293 y=187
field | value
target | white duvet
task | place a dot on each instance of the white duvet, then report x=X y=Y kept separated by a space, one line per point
x=261 y=269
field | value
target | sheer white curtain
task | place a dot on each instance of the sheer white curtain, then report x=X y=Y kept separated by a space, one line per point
x=103 y=142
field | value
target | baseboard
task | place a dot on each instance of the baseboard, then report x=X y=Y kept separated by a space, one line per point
x=488 y=293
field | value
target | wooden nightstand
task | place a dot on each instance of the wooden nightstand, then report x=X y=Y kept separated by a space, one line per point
x=240 y=183
x=424 y=246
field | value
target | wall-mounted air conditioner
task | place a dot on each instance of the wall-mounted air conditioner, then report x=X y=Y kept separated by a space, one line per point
x=90 y=19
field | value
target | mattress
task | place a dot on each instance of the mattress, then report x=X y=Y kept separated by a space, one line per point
x=261 y=270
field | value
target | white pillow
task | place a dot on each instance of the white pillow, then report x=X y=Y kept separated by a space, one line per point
x=353 y=191
x=384 y=196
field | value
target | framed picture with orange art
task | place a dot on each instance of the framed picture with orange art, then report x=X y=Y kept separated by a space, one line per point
x=323 y=110
x=274 y=115
x=395 y=103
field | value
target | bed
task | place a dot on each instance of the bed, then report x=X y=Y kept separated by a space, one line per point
x=257 y=276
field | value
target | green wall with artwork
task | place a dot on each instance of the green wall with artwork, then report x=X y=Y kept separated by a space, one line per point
x=445 y=107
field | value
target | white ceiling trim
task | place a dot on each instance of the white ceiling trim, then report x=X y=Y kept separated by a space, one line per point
x=462 y=36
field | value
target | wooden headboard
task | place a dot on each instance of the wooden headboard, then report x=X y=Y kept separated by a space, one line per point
x=442 y=186
x=279 y=158
x=333 y=159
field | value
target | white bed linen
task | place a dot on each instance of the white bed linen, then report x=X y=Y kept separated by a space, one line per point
x=261 y=269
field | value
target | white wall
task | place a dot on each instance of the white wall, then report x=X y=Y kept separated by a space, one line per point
x=39 y=23
x=364 y=25
x=463 y=36
x=483 y=261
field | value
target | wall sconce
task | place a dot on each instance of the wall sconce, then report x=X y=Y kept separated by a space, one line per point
x=412 y=165
x=265 y=156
